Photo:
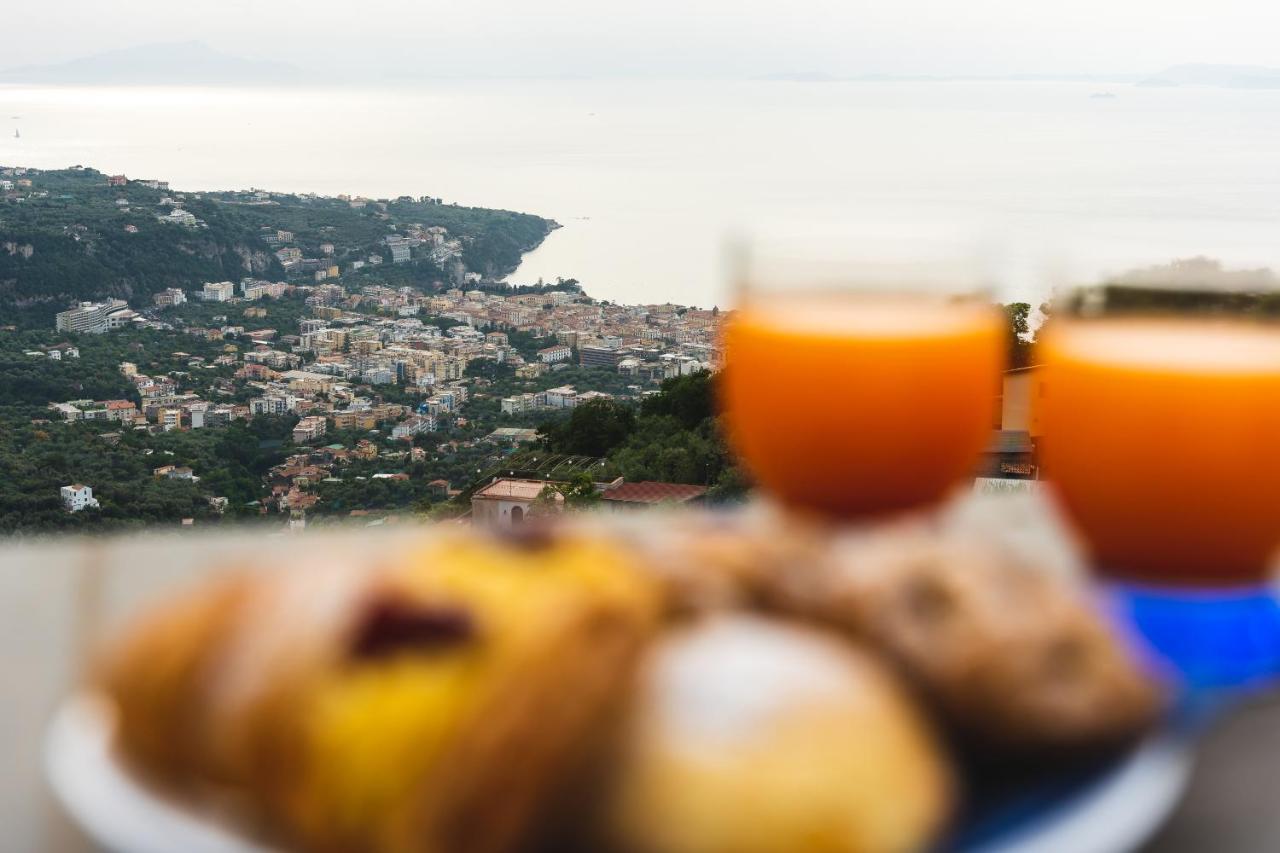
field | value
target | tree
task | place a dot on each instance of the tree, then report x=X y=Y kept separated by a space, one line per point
x=689 y=399
x=579 y=492
x=593 y=429
x=1018 y=315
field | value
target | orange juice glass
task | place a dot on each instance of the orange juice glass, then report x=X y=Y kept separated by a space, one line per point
x=855 y=404
x=1162 y=438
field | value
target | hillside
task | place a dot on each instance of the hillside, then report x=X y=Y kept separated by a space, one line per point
x=69 y=236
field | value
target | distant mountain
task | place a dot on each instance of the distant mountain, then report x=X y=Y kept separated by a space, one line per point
x=823 y=77
x=1222 y=76
x=176 y=63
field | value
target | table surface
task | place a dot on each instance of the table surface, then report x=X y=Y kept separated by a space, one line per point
x=58 y=598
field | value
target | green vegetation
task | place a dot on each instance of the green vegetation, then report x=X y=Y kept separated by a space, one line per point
x=355 y=487
x=578 y=493
x=591 y=429
x=1020 y=339
x=485 y=406
x=81 y=248
x=28 y=383
x=37 y=459
x=674 y=437
x=281 y=314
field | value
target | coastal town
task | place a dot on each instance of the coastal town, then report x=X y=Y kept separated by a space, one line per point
x=332 y=370
x=370 y=362
x=361 y=371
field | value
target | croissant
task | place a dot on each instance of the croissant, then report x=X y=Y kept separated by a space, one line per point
x=432 y=699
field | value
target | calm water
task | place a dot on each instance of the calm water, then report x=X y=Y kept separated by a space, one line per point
x=1038 y=179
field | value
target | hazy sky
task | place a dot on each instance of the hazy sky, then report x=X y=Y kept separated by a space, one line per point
x=667 y=37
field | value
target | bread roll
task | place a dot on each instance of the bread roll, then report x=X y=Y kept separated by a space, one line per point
x=753 y=736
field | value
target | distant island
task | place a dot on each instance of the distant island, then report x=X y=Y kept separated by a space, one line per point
x=1221 y=76
x=77 y=234
x=192 y=63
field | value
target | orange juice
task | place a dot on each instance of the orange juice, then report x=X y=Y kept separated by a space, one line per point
x=861 y=405
x=1163 y=440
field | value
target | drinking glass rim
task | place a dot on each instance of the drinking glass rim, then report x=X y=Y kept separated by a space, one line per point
x=1164 y=301
x=814 y=268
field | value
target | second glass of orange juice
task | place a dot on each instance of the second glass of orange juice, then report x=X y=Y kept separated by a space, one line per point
x=852 y=403
x=1160 y=438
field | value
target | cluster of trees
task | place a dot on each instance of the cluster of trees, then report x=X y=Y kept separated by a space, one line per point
x=29 y=383
x=282 y=314
x=36 y=460
x=673 y=436
x=355 y=488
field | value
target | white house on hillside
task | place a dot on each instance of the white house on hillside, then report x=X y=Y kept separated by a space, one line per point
x=77 y=497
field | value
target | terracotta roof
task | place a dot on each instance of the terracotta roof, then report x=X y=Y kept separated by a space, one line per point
x=648 y=492
x=521 y=490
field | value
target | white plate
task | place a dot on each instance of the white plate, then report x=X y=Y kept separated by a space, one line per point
x=1113 y=813
x=109 y=804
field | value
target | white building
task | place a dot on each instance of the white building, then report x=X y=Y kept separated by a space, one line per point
x=564 y=397
x=379 y=376
x=92 y=317
x=309 y=429
x=178 y=216
x=552 y=354
x=78 y=496
x=273 y=404
x=415 y=425
x=218 y=291
x=399 y=247
x=518 y=404
x=169 y=297
x=505 y=503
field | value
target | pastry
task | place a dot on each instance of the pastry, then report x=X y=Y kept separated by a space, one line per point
x=755 y=736
x=1011 y=656
x=431 y=699
x=659 y=683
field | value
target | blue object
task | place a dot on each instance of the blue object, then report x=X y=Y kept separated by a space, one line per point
x=1213 y=647
x=1216 y=642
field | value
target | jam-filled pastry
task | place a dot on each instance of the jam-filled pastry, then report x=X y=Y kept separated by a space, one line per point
x=435 y=702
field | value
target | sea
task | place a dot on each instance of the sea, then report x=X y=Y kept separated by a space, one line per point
x=1043 y=183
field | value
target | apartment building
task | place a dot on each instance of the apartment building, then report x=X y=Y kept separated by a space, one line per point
x=553 y=354
x=169 y=297
x=309 y=429
x=90 y=317
x=218 y=291
x=415 y=425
